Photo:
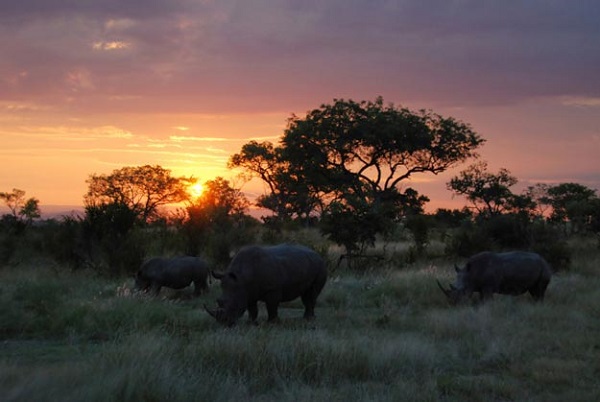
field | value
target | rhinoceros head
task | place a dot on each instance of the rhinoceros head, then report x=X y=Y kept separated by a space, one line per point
x=233 y=301
x=458 y=292
x=141 y=283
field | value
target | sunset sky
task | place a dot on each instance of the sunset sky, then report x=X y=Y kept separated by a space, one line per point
x=92 y=86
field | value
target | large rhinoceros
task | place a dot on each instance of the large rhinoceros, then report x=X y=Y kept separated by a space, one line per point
x=272 y=275
x=509 y=273
x=176 y=273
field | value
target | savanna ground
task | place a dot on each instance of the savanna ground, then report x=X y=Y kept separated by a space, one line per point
x=384 y=335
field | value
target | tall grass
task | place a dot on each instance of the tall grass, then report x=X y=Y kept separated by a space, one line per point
x=385 y=336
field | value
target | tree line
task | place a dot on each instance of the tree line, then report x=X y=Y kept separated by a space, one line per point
x=342 y=168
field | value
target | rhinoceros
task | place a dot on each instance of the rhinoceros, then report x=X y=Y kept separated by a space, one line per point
x=176 y=273
x=272 y=274
x=509 y=273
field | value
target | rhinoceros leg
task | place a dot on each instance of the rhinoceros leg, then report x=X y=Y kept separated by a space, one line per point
x=252 y=312
x=538 y=290
x=309 y=298
x=486 y=295
x=309 y=302
x=200 y=287
x=272 y=311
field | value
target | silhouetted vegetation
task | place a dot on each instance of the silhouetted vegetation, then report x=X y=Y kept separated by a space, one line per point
x=217 y=223
x=142 y=189
x=505 y=220
x=345 y=162
x=338 y=169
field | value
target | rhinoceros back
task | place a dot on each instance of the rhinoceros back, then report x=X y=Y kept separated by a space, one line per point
x=175 y=272
x=285 y=267
x=513 y=272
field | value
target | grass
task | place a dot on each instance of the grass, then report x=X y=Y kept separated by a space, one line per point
x=384 y=336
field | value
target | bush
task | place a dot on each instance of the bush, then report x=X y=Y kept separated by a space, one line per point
x=511 y=232
x=62 y=241
x=508 y=231
x=549 y=242
x=111 y=242
x=469 y=239
x=419 y=228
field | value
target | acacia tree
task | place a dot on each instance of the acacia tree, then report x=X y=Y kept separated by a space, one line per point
x=489 y=193
x=22 y=210
x=369 y=146
x=538 y=194
x=348 y=160
x=143 y=189
x=574 y=203
x=289 y=196
x=218 y=201
x=115 y=204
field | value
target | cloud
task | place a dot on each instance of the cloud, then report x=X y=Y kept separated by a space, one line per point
x=232 y=56
x=582 y=101
x=180 y=138
x=20 y=107
x=70 y=134
x=27 y=10
x=112 y=45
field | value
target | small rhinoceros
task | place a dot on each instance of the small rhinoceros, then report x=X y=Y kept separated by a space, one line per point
x=176 y=273
x=272 y=275
x=509 y=273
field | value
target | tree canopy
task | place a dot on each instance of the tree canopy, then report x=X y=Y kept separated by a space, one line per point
x=22 y=210
x=369 y=145
x=142 y=188
x=574 y=203
x=216 y=220
x=218 y=201
x=350 y=158
x=489 y=193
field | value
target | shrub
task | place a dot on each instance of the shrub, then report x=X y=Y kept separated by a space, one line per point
x=419 y=228
x=548 y=240
x=61 y=240
x=511 y=232
x=507 y=231
x=469 y=239
x=110 y=242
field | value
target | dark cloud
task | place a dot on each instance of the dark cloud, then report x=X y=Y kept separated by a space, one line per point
x=24 y=10
x=436 y=51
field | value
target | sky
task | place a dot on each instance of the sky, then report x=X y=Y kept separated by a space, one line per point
x=88 y=86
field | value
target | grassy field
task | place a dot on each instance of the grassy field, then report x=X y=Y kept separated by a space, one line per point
x=385 y=336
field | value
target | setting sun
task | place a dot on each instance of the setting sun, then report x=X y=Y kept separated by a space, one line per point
x=196 y=190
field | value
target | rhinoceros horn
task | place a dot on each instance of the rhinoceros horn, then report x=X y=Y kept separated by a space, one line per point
x=217 y=274
x=446 y=292
x=214 y=313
